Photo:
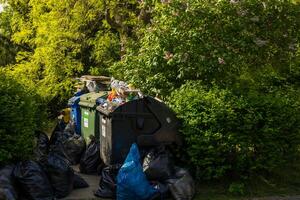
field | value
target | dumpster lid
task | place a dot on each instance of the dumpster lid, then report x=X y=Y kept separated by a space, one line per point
x=73 y=100
x=110 y=110
x=95 y=78
x=104 y=111
x=90 y=99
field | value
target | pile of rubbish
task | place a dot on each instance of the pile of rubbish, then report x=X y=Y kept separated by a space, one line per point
x=49 y=175
x=121 y=92
x=147 y=173
x=90 y=83
x=151 y=177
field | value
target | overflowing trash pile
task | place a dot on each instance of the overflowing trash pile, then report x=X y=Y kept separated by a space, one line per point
x=151 y=177
x=135 y=171
x=49 y=175
x=120 y=93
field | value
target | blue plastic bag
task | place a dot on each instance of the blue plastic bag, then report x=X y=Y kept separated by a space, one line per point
x=132 y=183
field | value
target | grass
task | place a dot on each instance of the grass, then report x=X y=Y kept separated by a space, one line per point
x=282 y=182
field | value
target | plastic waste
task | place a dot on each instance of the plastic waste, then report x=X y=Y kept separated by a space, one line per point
x=90 y=160
x=132 y=183
x=54 y=136
x=112 y=95
x=59 y=128
x=70 y=128
x=182 y=186
x=92 y=86
x=57 y=140
x=120 y=93
x=7 y=183
x=73 y=148
x=70 y=146
x=42 y=147
x=158 y=165
x=108 y=182
x=163 y=191
x=61 y=175
x=32 y=181
x=79 y=182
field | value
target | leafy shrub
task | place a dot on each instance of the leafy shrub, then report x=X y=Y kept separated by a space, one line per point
x=18 y=114
x=237 y=188
x=235 y=135
x=216 y=41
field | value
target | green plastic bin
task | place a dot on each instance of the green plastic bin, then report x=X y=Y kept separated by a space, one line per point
x=89 y=118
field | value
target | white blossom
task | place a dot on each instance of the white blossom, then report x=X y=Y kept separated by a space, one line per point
x=221 y=61
x=259 y=42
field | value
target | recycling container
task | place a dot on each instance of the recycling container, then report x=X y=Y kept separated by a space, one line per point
x=75 y=113
x=145 y=121
x=89 y=119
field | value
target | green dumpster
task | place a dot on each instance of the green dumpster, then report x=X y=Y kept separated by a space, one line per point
x=89 y=118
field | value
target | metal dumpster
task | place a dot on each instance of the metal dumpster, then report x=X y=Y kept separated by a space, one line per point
x=146 y=121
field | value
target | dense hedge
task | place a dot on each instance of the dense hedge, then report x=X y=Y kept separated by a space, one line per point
x=18 y=114
x=235 y=135
x=218 y=41
x=230 y=70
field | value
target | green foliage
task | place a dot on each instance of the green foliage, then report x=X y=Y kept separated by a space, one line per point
x=66 y=39
x=230 y=69
x=8 y=49
x=237 y=188
x=234 y=135
x=213 y=41
x=19 y=116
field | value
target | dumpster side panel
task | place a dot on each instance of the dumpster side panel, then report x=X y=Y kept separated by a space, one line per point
x=105 y=138
x=122 y=138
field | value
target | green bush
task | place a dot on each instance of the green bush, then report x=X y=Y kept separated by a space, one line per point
x=18 y=114
x=218 y=41
x=235 y=135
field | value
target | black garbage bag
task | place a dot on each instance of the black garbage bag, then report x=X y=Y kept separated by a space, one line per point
x=61 y=175
x=79 y=182
x=74 y=148
x=54 y=137
x=62 y=137
x=90 y=160
x=58 y=146
x=108 y=182
x=59 y=128
x=158 y=165
x=42 y=147
x=70 y=146
x=7 y=183
x=32 y=181
x=163 y=191
x=70 y=128
x=182 y=186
